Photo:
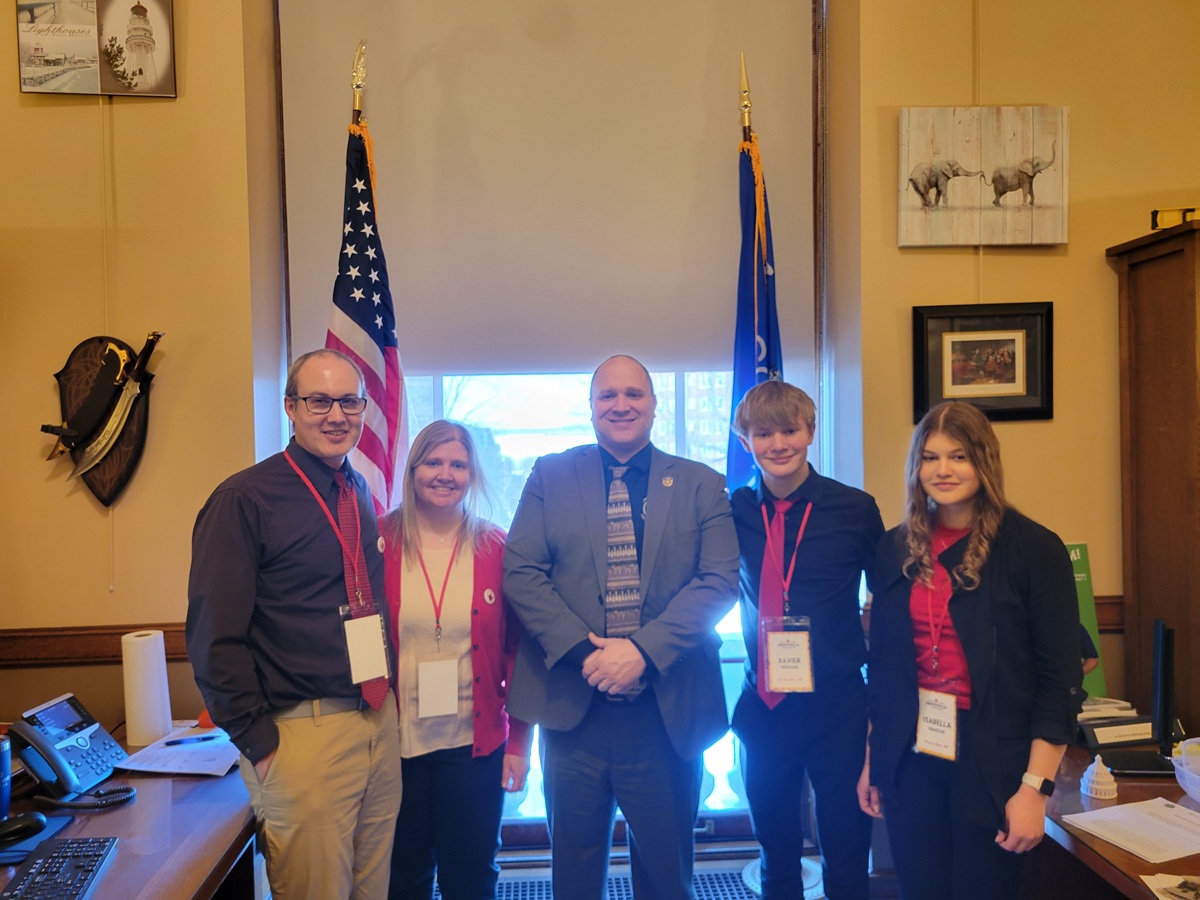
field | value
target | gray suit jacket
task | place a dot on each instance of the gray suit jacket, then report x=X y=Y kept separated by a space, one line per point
x=554 y=574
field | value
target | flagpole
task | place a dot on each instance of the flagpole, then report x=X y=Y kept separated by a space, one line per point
x=757 y=354
x=745 y=104
x=362 y=322
x=358 y=79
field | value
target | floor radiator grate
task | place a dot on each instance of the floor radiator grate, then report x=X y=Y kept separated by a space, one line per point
x=708 y=885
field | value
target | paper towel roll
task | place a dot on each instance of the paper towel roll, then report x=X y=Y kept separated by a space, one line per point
x=147 y=698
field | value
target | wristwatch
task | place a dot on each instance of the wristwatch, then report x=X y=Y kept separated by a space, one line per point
x=1039 y=784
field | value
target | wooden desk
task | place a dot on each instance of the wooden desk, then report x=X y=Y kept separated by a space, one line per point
x=181 y=837
x=1075 y=864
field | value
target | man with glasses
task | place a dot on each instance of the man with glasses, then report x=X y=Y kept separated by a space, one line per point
x=286 y=631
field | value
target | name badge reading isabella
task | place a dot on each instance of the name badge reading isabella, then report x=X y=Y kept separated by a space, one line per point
x=789 y=653
x=366 y=645
x=937 y=724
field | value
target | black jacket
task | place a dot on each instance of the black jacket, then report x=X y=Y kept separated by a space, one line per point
x=1020 y=634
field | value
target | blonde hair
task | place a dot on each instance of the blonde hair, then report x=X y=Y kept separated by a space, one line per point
x=964 y=424
x=401 y=523
x=773 y=404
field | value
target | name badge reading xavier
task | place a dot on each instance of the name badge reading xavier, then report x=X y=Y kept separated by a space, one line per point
x=937 y=724
x=789 y=653
x=367 y=647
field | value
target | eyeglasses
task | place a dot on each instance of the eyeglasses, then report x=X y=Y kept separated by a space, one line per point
x=351 y=406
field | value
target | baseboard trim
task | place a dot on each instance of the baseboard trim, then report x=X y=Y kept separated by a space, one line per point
x=1110 y=614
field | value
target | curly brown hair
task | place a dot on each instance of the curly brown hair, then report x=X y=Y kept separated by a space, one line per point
x=965 y=424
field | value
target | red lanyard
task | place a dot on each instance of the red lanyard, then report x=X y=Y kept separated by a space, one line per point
x=441 y=598
x=333 y=522
x=935 y=630
x=777 y=558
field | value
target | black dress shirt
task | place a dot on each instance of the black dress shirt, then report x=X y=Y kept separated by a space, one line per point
x=266 y=583
x=839 y=544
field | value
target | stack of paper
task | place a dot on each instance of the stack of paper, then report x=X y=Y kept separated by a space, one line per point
x=1156 y=830
x=187 y=750
x=1106 y=708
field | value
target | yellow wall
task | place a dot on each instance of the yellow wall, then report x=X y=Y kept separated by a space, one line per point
x=1135 y=126
x=120 y=216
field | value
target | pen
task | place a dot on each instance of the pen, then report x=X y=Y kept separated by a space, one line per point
x=190 y=740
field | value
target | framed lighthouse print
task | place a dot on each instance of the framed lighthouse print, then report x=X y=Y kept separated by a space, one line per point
x=123 y=47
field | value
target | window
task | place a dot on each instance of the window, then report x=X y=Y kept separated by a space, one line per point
x=514 y=419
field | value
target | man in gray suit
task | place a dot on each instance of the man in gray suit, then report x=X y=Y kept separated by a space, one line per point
x=624 y=678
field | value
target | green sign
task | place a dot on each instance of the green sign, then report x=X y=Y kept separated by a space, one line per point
x=1093 y=682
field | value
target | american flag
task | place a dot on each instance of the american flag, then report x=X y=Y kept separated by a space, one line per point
x=363 y=326
x=756 y=350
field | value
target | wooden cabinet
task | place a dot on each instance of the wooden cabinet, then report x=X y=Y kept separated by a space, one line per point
x=1160 y=456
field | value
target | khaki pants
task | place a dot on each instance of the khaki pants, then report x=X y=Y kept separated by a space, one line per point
x=327 y=808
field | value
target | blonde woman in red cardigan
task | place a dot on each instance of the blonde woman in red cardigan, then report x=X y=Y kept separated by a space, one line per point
x=456 y=640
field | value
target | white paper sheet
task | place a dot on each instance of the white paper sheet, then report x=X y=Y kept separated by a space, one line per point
x=1156 y=830
x=208 y=757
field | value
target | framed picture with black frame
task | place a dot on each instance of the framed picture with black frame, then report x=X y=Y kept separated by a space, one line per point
x=998 y=356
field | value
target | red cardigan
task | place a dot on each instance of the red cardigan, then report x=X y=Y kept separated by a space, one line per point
x=495 y=634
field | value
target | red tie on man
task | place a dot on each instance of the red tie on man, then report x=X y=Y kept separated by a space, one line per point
x=770 y=594
x=362 y=602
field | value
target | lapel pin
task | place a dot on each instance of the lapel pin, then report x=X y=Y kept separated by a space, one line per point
x=668 y=481
x=380 y=543
x=489 y=596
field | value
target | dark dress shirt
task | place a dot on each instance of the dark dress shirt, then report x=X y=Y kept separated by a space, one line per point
x=839 y=544
x=263 y=629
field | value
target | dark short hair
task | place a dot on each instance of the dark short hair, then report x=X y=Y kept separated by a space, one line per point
x=637 y=362
x=289 y=389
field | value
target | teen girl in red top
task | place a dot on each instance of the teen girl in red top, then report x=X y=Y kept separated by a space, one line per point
x=974 y=676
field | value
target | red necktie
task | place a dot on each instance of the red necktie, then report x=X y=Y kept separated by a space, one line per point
x=362 y=603
x=770 y=594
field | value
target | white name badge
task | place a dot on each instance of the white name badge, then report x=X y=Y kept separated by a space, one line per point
x=937 y=724
x=788 y=658
x=367 y=648
x=437 y=688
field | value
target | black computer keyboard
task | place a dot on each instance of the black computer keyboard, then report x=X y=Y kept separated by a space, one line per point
x=61 y=869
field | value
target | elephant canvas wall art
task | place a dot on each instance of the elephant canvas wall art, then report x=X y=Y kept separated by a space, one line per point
x=931 y=179
x=983 y=175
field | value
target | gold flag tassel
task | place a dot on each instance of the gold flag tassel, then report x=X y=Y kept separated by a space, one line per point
x=749 y=145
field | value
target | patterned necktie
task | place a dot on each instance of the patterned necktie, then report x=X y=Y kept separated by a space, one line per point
x=622 y=587
x=770 y=594
x=362 y=602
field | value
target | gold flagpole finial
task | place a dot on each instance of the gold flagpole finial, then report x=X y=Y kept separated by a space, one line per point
x=358 y=78
x=745 y=103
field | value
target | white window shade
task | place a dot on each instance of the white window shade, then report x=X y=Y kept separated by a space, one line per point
x=557 y=181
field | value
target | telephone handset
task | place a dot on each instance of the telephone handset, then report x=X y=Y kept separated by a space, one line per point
x=63 y=746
